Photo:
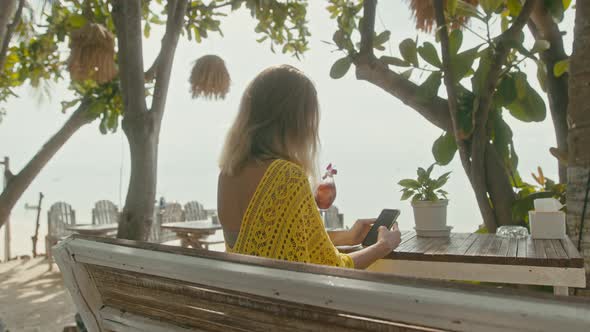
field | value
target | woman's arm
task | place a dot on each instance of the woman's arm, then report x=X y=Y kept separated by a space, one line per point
x=340 y=238
x=353 y=236
x=387 y=241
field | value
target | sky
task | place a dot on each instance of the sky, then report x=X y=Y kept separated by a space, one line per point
x=372 y=138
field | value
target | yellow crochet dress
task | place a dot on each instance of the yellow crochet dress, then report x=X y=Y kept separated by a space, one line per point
x=282 y=221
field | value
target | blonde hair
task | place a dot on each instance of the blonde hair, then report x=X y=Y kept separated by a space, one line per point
x=278 y=119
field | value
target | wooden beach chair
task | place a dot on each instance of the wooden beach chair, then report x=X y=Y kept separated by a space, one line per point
x=105 y=212
x=120 y=285
x=172 y=213
x=59 y=216
x=194 y=210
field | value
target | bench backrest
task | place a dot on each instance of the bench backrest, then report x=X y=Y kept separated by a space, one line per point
x=122 y=285
x=59 y=216
x=105 y=212
x=194 y=210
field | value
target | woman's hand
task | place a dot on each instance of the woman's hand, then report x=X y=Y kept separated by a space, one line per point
x=389 y=239
x=359 y=230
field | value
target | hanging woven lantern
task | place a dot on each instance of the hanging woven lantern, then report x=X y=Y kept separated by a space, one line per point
x=92 y=55
x=209 y=77
x=423 y=12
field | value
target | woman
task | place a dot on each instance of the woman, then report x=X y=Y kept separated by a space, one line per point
x=265 y=203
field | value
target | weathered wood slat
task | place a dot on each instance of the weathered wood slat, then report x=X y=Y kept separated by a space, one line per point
x=549 y=250
x=531 y=251
x=494 y=247
x=480 y=245
x=462 y=247
x=522 y=248
x=196 y=305
x=512 y=248
x=559 y=250
x=571 y=251
x=455 y=240
x=539 y=249
x=480 y=248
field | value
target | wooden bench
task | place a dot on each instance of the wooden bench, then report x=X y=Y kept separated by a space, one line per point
x=120 y=285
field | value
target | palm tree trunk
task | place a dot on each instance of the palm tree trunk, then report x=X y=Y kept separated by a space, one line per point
x=579 y=138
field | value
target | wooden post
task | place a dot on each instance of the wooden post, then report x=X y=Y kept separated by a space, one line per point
x=6 y=164
x=38 y=208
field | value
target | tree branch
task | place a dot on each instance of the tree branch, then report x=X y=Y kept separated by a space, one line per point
x=542 y=26
x=435 y=110
x=9 y=31
x=176 y=12
x=480 y=135
x=370 y=69
x=150 y=74
x=127 y=18
x=449 y=77
x=368 y=28
x=18 y=183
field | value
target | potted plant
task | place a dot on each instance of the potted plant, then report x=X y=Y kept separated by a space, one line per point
x=429 y=200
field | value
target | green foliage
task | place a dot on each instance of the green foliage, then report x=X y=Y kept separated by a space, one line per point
x=409 y=52
x=429 y=88
x=284 y=23
x=528 y=105
x=347 y=14
x=340 y=67
x=41 y=56
x=444 y=149
x=424 y=188
x=527 y=193
x=104 y=102
x=428 y=52
x=561 y=67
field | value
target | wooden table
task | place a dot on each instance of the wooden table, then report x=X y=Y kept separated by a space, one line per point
x=94 y=230
x=487 y=258
x=194 y=233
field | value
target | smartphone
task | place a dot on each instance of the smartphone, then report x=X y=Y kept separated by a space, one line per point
x=386 y=218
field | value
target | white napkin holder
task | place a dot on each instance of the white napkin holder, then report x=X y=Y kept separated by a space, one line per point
x=546 y=221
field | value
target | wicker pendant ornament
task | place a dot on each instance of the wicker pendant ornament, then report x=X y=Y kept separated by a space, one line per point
x=92 y=55
x=209 y=78
x=423 y=12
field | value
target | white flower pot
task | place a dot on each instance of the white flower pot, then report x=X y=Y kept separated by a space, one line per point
x=430 y=216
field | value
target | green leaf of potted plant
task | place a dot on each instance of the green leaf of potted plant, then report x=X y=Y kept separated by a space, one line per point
x=429 y=200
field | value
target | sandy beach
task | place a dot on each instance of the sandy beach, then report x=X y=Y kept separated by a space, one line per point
x=32 y=298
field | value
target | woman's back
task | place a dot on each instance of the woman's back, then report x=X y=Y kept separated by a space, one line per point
x=234 y=194
x=279 y=218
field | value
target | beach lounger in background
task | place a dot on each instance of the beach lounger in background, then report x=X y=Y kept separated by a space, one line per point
x=105 y=212
x=194 y=210
x=59 y=216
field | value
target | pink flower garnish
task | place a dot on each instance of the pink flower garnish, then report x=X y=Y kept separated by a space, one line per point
x=330 y=171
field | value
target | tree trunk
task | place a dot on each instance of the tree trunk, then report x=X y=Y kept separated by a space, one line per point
x=140 y=124
x=17 y=184
x=578 y=208
x=7 y=8
x=544 y=27
x=9 y=19
x=138 y=213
